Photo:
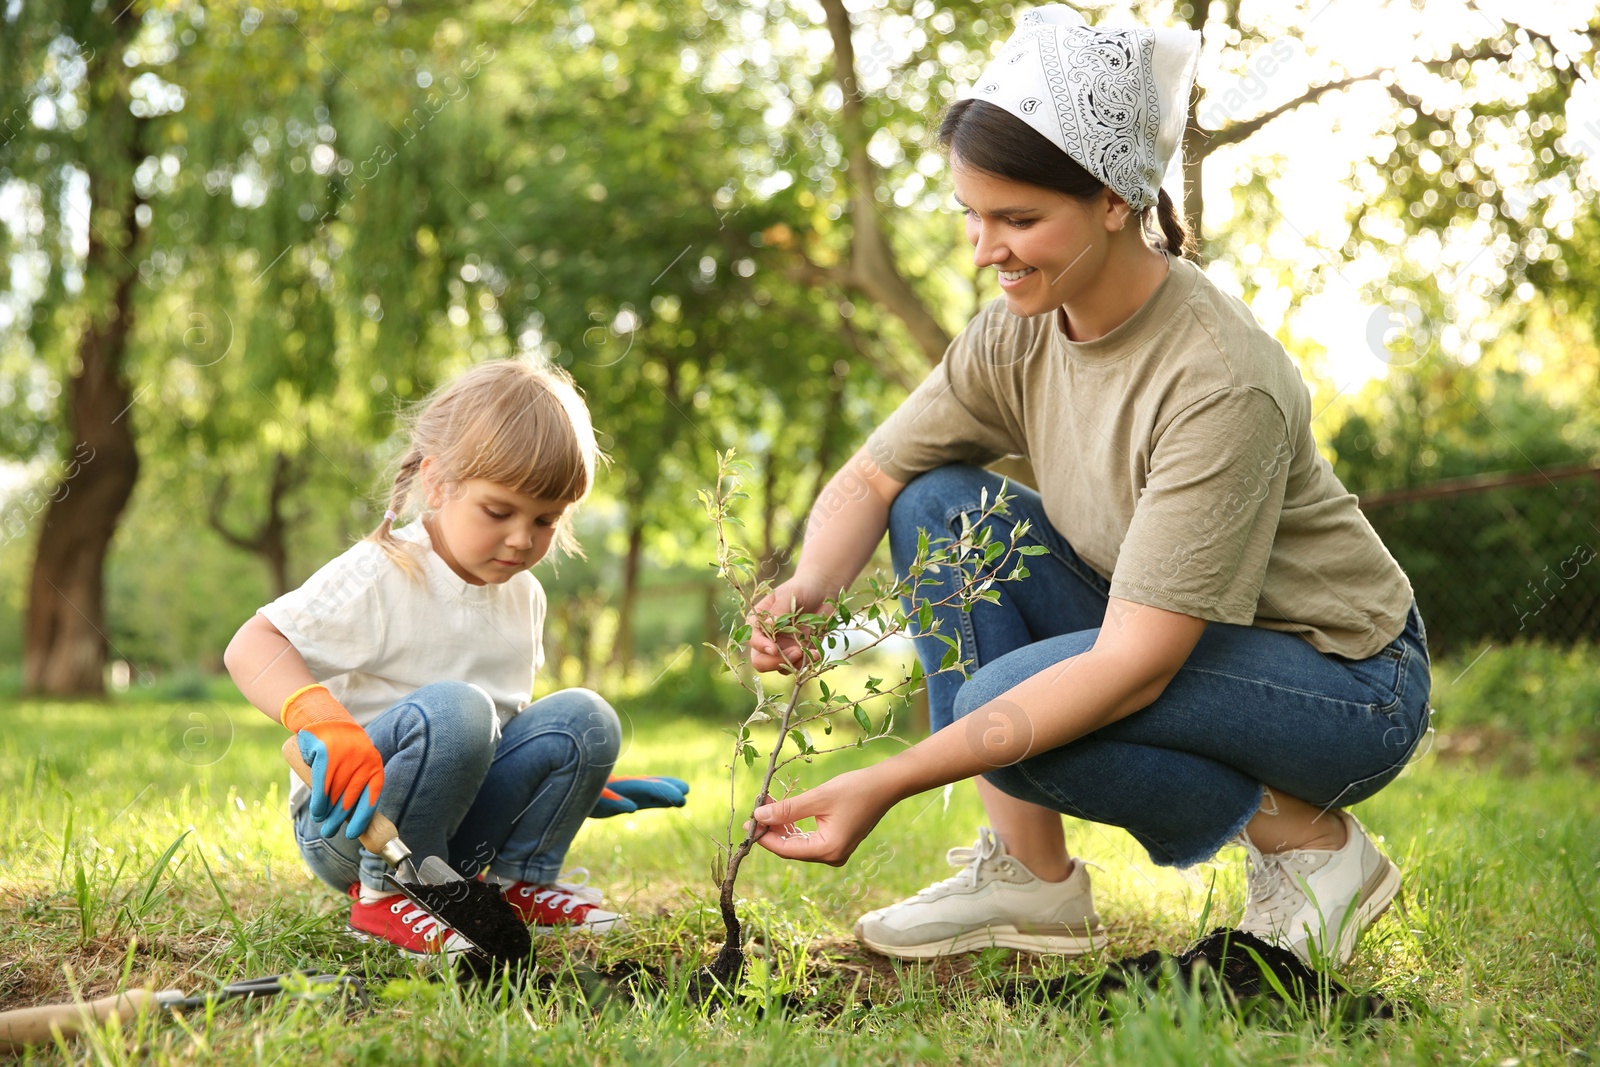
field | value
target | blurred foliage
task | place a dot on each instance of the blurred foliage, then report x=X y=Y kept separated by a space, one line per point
x=1492 y=565
x=347 y=204
x=1500 y=565
x=1531 y=706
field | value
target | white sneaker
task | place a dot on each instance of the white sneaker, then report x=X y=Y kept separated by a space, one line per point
x=1318 y=903
x=993 y=901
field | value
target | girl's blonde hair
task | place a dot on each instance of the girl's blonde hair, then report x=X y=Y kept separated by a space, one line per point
x=520 y=424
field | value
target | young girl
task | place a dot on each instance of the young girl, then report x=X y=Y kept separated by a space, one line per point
x=405 y=665
x=1216 y=647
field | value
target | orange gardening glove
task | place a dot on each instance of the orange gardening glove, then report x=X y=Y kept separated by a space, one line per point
x=346 y=770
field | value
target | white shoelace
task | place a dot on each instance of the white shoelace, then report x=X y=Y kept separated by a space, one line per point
x=553 y=898
x=579 y=889
x=1274 y=891
x=420 y=921
x=970 y=860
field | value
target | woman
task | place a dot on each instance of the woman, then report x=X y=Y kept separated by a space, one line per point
x=1217 y=647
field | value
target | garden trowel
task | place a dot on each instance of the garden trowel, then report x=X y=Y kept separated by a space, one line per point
x=474 y=910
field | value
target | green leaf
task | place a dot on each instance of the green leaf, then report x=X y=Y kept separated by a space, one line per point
x=993 y=552
x=750 y=755
x=862 y=720
x=802 y=740
x=149 y=896
x=952 y=656
x=1032 y=550
x=925 y=617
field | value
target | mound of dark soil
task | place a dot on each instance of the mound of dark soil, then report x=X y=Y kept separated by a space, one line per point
x=1241 y=966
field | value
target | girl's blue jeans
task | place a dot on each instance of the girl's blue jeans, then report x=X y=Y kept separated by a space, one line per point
x=1249 y=708
x=458 y=786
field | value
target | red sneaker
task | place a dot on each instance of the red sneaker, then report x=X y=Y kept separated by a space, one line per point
x=401 y=923
x=553 y=908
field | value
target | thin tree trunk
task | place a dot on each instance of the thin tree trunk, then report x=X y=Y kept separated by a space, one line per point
x=580 y=612
x=832 y=417
x=628 y=602
x=711 y=622
x=771 y=562
x=872 y=264
x=64 y=641
x=269 y=540
x=1195 y=147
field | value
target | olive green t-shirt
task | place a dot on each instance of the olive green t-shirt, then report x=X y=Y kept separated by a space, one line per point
x=1174 y=454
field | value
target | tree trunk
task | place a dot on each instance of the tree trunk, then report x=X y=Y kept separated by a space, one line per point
x=711 y=623
x=1195 y=149
x=872 y=264
x=580 y=613
x=64 y=641
x=832 y=418
x=771 y=561
x=269 y=540
x=628 y=602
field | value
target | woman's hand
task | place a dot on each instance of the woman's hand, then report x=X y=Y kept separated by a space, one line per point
x=769 y=652
x=846 y=809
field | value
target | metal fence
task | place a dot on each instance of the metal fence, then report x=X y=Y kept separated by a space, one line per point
x=1499 y=557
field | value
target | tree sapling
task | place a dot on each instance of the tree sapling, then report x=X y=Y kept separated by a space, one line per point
x=853 y=623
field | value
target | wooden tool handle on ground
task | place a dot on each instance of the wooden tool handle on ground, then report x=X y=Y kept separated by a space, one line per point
x=380 y=831
x=32 y=1026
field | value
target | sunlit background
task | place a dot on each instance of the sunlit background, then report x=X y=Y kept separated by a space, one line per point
x=730 y=241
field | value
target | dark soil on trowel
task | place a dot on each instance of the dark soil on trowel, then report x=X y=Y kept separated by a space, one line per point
x=1244 y=969
x=478 y=911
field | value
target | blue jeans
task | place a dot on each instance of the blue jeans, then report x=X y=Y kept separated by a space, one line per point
x=1250 y=707
x=457 y=786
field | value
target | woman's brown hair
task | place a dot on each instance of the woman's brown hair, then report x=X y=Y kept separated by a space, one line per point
x=992 y=139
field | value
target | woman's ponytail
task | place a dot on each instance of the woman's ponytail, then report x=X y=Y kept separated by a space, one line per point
x=989 y=138
x=1173 y=231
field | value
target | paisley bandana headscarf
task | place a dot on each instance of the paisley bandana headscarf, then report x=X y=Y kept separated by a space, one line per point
x=1115 y=100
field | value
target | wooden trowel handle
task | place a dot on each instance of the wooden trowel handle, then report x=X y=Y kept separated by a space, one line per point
x=380 y=831
x=32 y=1026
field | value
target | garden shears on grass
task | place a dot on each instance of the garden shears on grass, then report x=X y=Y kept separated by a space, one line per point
x=38 y=1025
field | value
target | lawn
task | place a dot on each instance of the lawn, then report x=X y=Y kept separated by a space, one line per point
x=1493 y=960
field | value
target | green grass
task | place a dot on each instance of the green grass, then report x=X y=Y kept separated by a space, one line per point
x=124 y=862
